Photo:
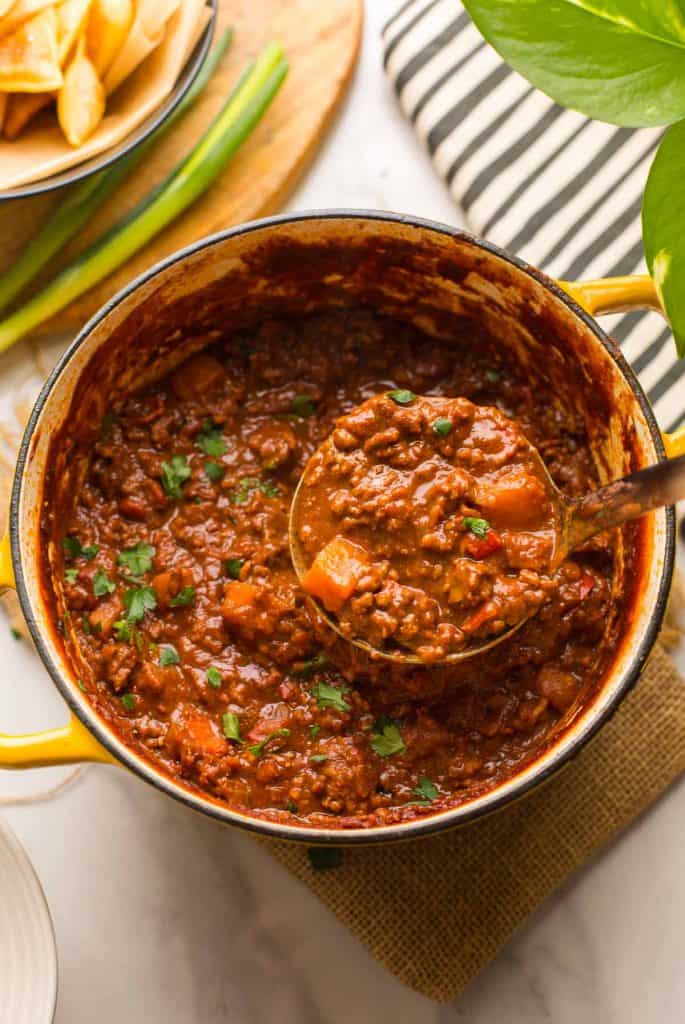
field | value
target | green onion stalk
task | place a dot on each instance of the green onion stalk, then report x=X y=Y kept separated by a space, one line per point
x=188 y=181
x=89 y=195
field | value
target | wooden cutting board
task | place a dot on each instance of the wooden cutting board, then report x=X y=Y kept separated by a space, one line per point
x=321 y=42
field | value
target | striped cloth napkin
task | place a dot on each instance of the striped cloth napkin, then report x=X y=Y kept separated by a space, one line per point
x=560 y=190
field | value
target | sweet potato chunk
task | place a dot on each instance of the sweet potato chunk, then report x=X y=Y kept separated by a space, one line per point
x=335 y=572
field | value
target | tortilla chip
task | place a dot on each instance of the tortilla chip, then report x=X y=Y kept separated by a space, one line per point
x=22 y=107
x=20 y=11
x=29 y=58
x=147 y=32
x=71 y=19
x=81 y=100
x=109 y=23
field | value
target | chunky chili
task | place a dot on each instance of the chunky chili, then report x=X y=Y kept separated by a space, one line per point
x=391 y=520
x=185 y=623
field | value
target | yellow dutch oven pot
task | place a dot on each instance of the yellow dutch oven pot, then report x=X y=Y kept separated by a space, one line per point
x=435 y=276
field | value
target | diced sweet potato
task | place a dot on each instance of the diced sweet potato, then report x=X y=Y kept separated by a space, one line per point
x=515 y=499
x=239 y=598
x=335 y=572
x=197 y=377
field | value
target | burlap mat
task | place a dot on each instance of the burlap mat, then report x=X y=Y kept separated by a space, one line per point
x=435 y=911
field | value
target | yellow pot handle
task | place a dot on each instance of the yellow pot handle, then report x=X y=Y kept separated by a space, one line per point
x=620 y=295
x=69 y=744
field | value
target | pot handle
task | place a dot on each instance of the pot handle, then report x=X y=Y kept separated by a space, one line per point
x=620 y=295
x=69 y=744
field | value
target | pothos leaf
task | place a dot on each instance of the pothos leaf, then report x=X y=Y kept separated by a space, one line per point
x=615 y=60
x=663 y=216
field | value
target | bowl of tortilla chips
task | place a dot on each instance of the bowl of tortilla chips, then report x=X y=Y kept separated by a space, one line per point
x=84 y=81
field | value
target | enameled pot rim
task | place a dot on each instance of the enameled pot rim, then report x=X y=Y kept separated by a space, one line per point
x=548 y=763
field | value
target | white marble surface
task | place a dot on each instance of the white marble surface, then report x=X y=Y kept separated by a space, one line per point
x=166 y=918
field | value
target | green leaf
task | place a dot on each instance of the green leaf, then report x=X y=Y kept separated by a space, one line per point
x=309 y=667
x=129 y=701
x=318 y=758
x=314 y=731
x=615 y=60
x=168 y=655
x=233 y=567
x=72 y=549
x=231 y=724
x=71 y=575
x=210 y=441
x=402 y=397
x=174 y=475
x=137 y=601
x=442 y=426
x=185 y=597
x=325 y=858
x=304 y=406
x=102 y=584
x=214 y=471
x=386 y=739
x=123 y=631
x=330 y=697
x=663 y=229
x=478 y=527
x=426 y=791
x=214 y=677
x=138 y=559
x=249 y=485
x=257 y=749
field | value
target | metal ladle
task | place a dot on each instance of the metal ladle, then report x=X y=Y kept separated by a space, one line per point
x=577 y=520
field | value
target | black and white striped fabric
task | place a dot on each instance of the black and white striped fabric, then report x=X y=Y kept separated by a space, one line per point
x=562 y=191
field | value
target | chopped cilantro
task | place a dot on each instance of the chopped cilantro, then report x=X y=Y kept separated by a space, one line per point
x=71 y=575
x=304 y=406
x=325 y=858
x=174 y=475
x=81 y=685
x=214 y=677
x=257 y=749
x=184 y=597
x=233 y=567
x=442 y=426
x=314 y=731
x=402 y=397
x=478 y=527
x=292 y=807
x=492 y=375
x=214 y=471
x=310 y=666
x=168 y=655
x=249 y=485
x=426 y=791
x=138 y=559
x=123 y=631
x=330 y=697
x=86 y=626
x=15 y=633
x=102 y=584
x=137 y=601
x=72 y=548
x=231 y=725
x=129 y=701
x=210 y=441
x=318 y=758
x=386 y=738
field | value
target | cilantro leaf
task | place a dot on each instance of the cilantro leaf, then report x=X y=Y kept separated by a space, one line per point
x=174 y=475
x=102 y=584
x=138 y=559
x=72 y=549
x=442 y=426
x=214 y=677
x=310 y=666
x=137 y=601
x=168 y=655
x=257 y=749
x=231 y=724
x=210 y=441
x=129 y=701
x=402 y=397
x=325 y=858
x=233 y=567
x=314 y=731
x=304 y=406
x=249 y=485
x=426 y=791
x=386 y=738
x=123 y=631
x=318 y=758
x=330 y=697
x=185 y=597
x=71 y=575
x=214 y=471
x=478 y=527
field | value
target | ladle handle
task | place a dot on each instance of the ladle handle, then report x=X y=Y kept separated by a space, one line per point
x=626 y=499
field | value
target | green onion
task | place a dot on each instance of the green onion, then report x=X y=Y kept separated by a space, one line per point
x=235 y=121
x=88 y=196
